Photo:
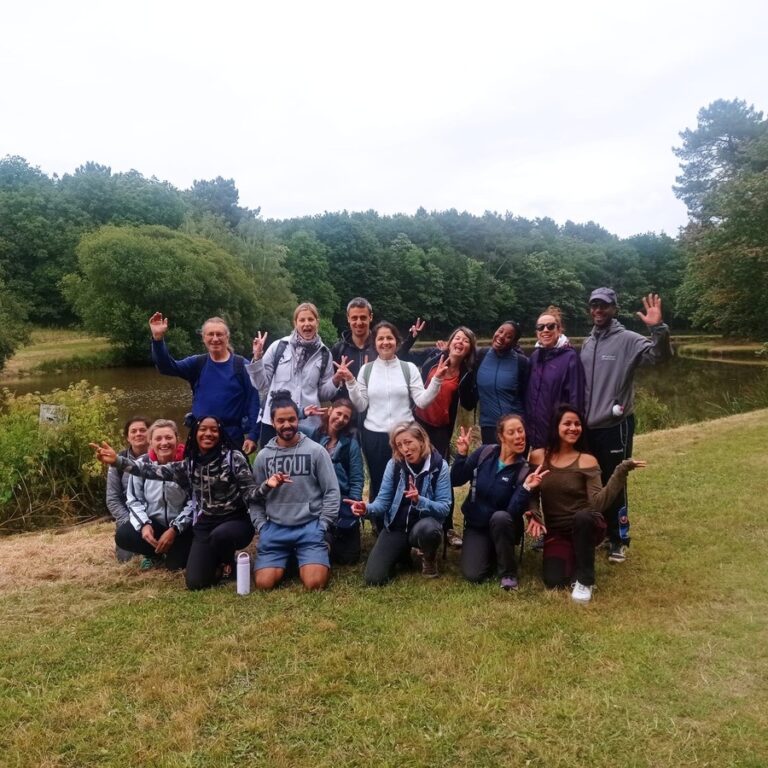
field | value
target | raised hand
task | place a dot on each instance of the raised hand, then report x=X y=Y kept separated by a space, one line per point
x=259 y=340
x=441 y=344
x=462 y=441
x=342 y=371
x=441 y=368
x=358 y=507
x=534 y=479
x=158 y=325
x=417 y=327
x=105 y=453
x=411 y=492
x=652 y=305
x=314 y=410
x=278 y=479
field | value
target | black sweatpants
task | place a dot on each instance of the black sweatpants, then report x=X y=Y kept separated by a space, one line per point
x=214 y=542
x=568 y=556
x=377 y=453
x=610 y=446
x=440 y=437
x=485 y=548
x=345 y=545
x=391 y=547
x=128 y=538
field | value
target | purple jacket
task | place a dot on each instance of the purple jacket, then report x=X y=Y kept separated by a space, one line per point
x=556 y=376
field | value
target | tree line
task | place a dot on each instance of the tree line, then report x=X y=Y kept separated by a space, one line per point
x=106 y=249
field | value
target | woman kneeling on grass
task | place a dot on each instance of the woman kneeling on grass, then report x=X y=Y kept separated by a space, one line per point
x=334 y=434
x=413 y=500
x=499 y=495
x=568 y=507
x=220 y=485
x=154 y=505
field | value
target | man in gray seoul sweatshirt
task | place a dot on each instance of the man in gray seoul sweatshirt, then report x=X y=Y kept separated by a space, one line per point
x=299 y=501
x=611 y=354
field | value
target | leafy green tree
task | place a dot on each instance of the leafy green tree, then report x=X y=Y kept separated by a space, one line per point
x=714 y=152
x=38 y=234
x=219 y=197
x=13 y=322
x=127 y=273
x=307 y=261
x=122 y=198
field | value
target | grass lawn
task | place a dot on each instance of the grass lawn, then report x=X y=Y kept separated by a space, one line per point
x=48 y=346
x=106 y=665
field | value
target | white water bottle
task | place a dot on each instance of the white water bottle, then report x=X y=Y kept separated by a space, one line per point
x=243 y=573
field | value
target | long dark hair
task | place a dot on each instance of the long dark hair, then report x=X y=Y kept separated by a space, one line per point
x=339 y=402
x=192 y=449
x=553 y=438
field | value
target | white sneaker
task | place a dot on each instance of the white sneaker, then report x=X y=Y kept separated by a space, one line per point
x=581 y=593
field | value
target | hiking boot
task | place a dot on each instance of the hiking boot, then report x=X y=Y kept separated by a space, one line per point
x=509 y=583
x=617 y=552
x=429 y=566
x=454 y=540
x=581 y=593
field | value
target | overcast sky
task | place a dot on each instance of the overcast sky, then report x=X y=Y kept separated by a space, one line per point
x=560 y=109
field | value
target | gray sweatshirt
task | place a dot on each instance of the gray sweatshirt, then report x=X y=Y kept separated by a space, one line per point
x=610 y=358
x=313 y=493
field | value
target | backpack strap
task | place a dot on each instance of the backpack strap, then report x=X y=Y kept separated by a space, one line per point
x=200 y=362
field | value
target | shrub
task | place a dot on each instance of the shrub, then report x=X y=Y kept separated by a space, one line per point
x=650 y=412
x=48 y=475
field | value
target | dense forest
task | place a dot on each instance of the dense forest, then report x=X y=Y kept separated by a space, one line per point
x=104 y=250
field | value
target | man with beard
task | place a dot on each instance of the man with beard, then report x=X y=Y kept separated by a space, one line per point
x=611 y=355
x=299 y=501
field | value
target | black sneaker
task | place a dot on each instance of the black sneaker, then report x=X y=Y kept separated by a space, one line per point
x=617 y=552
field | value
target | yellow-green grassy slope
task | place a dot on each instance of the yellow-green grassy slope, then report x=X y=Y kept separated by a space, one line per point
x=106 y=665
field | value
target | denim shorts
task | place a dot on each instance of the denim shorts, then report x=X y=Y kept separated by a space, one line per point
x=277 y=543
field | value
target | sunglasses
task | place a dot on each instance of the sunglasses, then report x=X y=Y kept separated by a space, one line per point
x=599 y=305
x=549 y=326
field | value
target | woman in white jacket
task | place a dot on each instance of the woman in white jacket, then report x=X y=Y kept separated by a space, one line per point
x=299 y=363
x=387 y=388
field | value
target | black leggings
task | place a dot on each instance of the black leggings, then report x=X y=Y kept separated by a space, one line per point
x=128 y=538
x=214 y=543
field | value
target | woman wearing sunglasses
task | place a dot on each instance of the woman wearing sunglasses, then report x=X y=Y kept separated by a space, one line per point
x=556 y=376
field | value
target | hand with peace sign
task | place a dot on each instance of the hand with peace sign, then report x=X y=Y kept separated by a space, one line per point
x=417 y=327
x=343 y=374
x=259 y=340
x=105 y=453
x=534 y=479
x=411 y=491
x=442 y=367
x=462 y=441
x=278 y=479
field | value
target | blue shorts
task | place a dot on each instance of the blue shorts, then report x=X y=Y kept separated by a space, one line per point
x=277 y=543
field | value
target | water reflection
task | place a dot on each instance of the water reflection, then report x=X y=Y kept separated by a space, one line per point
x=692 y=389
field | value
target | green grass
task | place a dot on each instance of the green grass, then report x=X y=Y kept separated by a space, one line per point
x=106 y=665
x=55 y=349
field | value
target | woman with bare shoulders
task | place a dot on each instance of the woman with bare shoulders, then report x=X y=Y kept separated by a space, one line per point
x=568 y=505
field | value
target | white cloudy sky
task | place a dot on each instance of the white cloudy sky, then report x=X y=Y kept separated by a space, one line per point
x=561 y=109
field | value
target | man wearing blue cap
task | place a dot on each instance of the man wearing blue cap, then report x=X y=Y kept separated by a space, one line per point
x=610 y=355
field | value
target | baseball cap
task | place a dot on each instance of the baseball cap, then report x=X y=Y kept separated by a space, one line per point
x=608 y=295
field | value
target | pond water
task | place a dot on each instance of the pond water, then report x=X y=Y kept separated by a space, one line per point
x=693 y=390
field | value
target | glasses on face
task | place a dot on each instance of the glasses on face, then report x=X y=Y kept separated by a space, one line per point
x=598 y=305
x=545 y=326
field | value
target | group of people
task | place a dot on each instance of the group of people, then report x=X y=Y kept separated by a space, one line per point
x=556 y=434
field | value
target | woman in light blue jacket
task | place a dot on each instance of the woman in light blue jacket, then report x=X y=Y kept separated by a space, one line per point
x=412 y=503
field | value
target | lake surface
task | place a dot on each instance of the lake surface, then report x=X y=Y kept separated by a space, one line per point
x=692 y=389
